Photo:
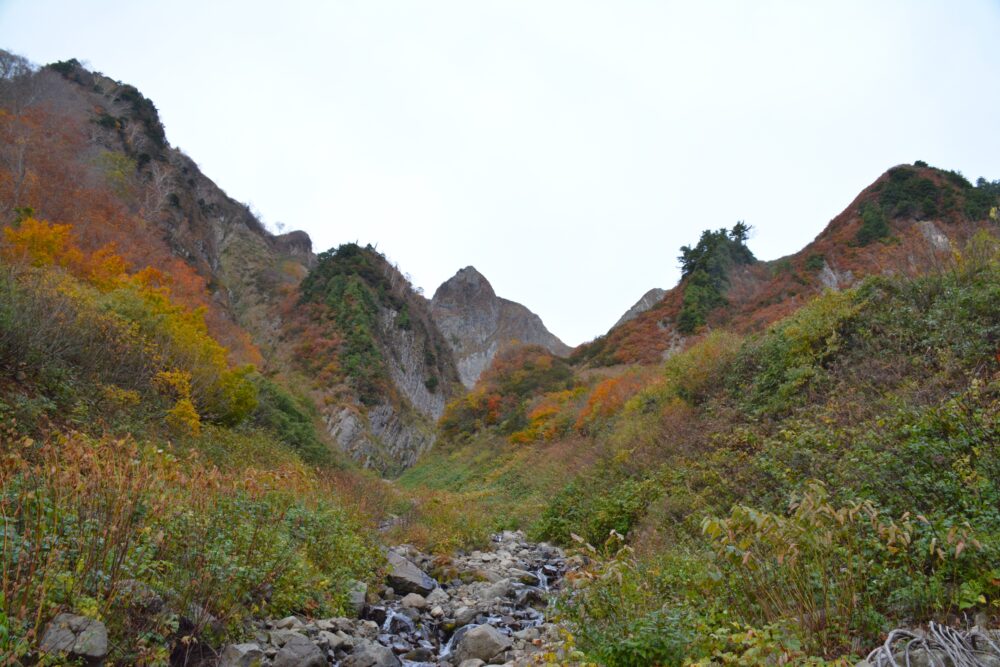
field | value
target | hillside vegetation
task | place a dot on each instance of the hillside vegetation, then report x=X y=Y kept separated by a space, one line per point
x=796 y=492
x=777 y=463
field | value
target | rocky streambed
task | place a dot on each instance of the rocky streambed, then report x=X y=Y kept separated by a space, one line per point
x=486 y=607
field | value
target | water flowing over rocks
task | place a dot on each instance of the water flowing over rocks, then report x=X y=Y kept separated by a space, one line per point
x=486 y=607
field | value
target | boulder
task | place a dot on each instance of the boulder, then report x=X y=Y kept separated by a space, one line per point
x=482 y=642
x=465 y=616
x=77 y=637
x=357 y=596
x=499 y=590
x=331 y=640
x=405 y=577
x=415 y=601
x=242 y=655
x=289 y=623
x=298 y=651
x=370 y=654
x=437 y=596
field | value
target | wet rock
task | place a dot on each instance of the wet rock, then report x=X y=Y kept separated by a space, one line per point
x=76 y=637
x=483 y=642
x=298 y=651
x=405 y=577
x=242 y=655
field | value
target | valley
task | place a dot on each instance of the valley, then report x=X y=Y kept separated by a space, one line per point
x=220 y=447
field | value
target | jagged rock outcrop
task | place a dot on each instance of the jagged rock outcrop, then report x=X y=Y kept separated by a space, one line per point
x=478 y=324
x=385 y=371
x=648 y=300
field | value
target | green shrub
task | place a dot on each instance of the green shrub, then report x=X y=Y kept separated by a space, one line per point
x=291 y=419
x=873 y=226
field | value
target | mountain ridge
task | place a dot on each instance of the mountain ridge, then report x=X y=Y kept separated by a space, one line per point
x=478 y=324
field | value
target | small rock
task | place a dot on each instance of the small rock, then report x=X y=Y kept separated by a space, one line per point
x=330 y=640
x=465 y=615
x=499 y=590
x=357 y=596
x=415 y=601
x=525 y=577
x=437 y=612
x=370 y=654
x=475 y=662
x=280 y=637
x=367 y=629
x=419 y=654
x=528 y=634
x=405 y=577
x=242 y=655
x=483 y=642
x=76 y=636
x=298 y=651
x=289 y=623
x=437 y=596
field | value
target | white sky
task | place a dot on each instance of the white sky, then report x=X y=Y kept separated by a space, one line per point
x=565 y=149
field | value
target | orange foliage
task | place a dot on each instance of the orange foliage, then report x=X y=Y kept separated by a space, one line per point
x=608 y=397
x=47 y=162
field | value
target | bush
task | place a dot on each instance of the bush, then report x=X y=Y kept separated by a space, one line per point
x=873 y=226
x=91 y=522
x=290 y=419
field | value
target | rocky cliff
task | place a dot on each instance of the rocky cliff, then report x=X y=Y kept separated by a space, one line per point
x=382 y=371
x=122 y=143
x=477 y=324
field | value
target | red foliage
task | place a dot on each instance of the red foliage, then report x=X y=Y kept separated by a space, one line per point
x=47 y=162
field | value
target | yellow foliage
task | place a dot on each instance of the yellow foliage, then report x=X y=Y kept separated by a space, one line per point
x=184 y=418
x=41 y=244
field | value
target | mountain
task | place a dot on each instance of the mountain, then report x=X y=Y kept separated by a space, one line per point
x=910 y=220
x=153 y=202
x=647 y=301
x=478 y=324
x=380 y=369
x=98 y=159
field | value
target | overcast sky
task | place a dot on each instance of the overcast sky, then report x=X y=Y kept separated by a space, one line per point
x=565 y=149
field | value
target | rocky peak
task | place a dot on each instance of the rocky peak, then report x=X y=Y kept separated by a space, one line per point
x=477 y=324
x=466 y=285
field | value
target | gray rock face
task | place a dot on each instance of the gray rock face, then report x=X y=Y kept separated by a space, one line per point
x=357 y=597
x=405 y=577
x=481 y=642
x=242 y=655
x=833 y=279
x=370 y=654
x=298 y=651
x=478 y=324
x=648 y=300
x=76 y=637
